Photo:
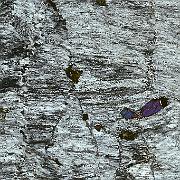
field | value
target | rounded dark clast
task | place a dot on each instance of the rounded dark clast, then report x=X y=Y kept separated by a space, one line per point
x=128 y=135
x=164 y=101
x=21 y=132
x=85 y=117
x=98 y=127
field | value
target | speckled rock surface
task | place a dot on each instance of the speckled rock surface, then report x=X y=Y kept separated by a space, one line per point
x=67 y=68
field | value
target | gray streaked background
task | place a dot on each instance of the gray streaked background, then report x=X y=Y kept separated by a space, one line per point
x=128 y=52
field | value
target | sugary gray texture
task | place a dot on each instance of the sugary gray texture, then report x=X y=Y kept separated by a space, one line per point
x=59 y=123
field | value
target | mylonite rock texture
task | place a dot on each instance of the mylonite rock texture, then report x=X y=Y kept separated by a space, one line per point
x=67 y=69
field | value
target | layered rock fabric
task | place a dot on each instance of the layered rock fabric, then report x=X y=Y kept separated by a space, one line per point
x=67 y=68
